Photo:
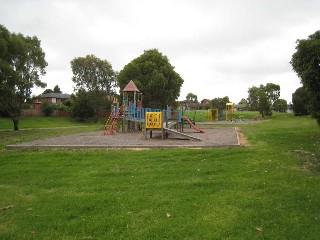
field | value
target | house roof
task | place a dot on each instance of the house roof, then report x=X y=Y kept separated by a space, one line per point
x=55 y=95
x=131 y=87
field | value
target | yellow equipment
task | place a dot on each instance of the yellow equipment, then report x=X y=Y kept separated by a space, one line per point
x=213 y=114
x=230 y=115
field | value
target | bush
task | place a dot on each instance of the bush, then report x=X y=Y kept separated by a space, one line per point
x=47 y=108
x=300 y=101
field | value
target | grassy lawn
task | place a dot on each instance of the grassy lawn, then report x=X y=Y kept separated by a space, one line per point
x=42 y=127
x=269 y=190
x=44 y=122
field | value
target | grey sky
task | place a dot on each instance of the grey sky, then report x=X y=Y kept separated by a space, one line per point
x=220 y=48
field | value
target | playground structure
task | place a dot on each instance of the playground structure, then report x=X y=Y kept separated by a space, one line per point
x=213 y=114
x=230 y=114
x=135 y=117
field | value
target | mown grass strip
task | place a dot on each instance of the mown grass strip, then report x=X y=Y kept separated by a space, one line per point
x=256 y=192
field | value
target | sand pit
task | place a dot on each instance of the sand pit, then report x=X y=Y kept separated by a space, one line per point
x=213 y=137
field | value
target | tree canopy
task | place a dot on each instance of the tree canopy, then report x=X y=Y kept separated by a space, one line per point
x=192 y=97
x=91 y=74
x=56 y=89
x=154 y=76
x=300 y=102
x=22 y=63
x=306 y=63
x=262 y=98
x=280 y=105
x=219 y=103
x=95 y=81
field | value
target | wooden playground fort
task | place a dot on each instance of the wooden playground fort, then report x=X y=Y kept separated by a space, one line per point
x=135 y=117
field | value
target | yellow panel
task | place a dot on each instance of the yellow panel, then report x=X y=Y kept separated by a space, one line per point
x=153 y=119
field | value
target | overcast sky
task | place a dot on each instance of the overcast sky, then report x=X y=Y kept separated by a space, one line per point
x=220 y=48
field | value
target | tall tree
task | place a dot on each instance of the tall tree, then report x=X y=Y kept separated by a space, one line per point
x=22 y=63
x=306 y=63
x=96 y=78
x=262 y=98
x=192 y=98
x=273 y=92
x=57 y=89
x=300 y=102
x=253 y=98
x=264 y=104
x=154 y=76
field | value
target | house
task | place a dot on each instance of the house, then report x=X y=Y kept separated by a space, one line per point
x=205 y=101
x=55 y=98
x=242 y=107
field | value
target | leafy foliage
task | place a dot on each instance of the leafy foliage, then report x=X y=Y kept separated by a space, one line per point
x=280 y=105
x=192 y=98
x=306 y=63
x=262 y=99
x=87 y=104
x=95 y=81
x=155 y=78
x=93 y=74
x=264 y=105
x=56 y=89
x=22 y=63
x=47 y=108
x=219 y=103
x=253 y=98
x=300 y=101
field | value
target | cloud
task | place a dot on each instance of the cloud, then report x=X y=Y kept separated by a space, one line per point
x=218 y=47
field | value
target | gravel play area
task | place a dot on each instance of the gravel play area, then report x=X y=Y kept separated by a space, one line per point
x=213 y=137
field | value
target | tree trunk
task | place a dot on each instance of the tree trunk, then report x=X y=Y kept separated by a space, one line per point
x=95 y=118
x=15 y=124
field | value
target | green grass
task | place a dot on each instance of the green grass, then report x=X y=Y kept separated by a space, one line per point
x=269 y=190
x=43 y=122
x=33 y=128
x=245 y=115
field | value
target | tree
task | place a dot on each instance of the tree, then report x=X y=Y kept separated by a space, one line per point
x=155 y=77
x=97 y=78
x=306 y=63
x=264 y=104
x=47 y=108
x=192 y=98
x=253 y=98
x=262 y=98
x=219 y=103
x=273 y=92
x=280 y=105
x=22 y=63
x=81 y=107
x=56 y=89
x=300 y=102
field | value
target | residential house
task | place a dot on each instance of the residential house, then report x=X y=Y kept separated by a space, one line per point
x=55 y=98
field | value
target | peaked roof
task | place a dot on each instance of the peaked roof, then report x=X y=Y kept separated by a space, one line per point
x=131 y=87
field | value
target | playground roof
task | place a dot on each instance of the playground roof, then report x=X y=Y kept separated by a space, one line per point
x=131 y=87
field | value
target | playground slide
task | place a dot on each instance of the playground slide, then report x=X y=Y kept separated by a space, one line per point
x=192 y=125
x=181 y=134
